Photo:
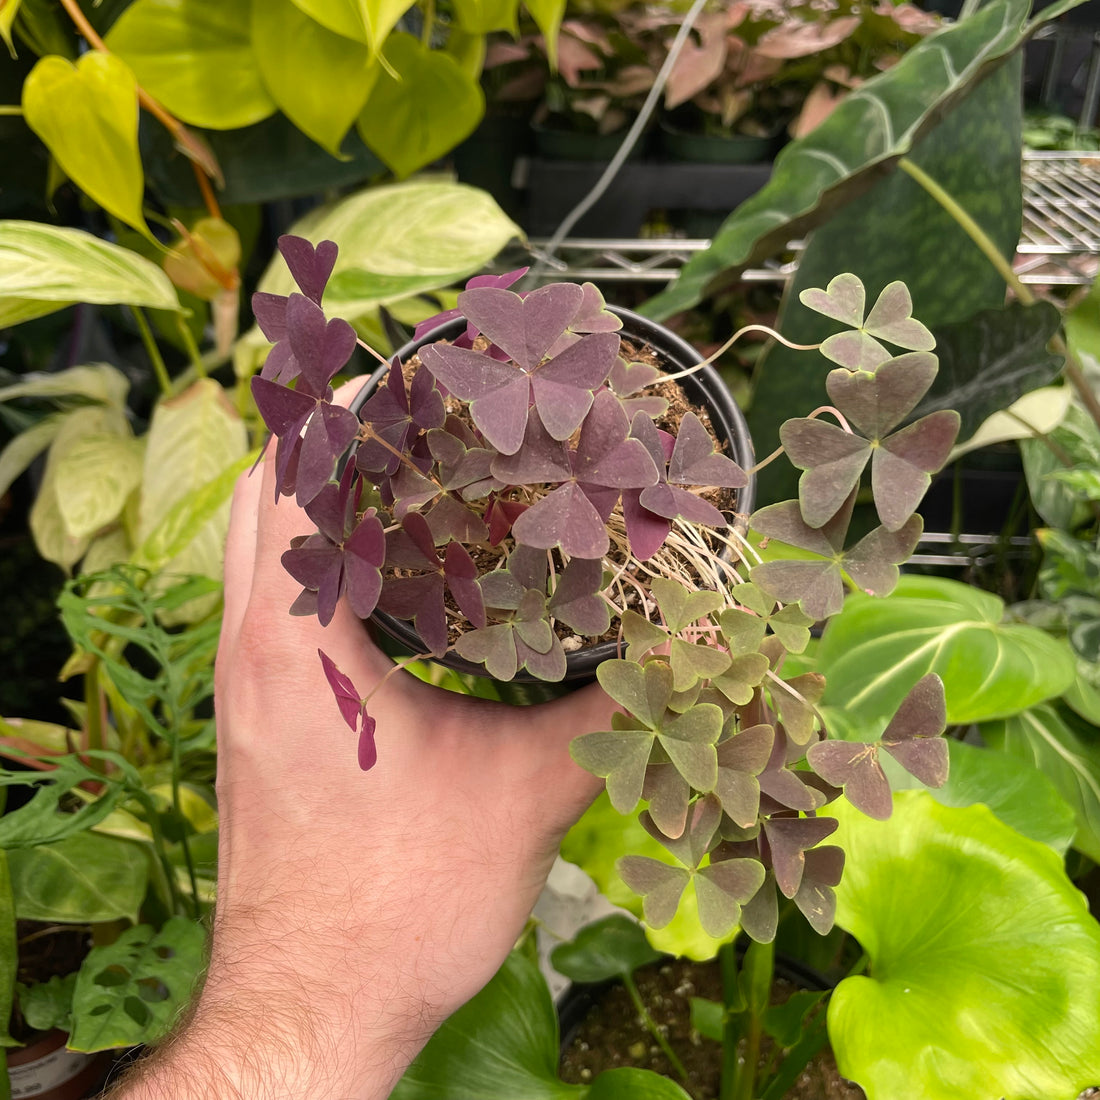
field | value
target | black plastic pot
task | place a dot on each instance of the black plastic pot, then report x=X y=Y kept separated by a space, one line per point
x=704 y=388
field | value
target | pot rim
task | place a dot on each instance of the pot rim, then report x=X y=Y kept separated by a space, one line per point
x=705 y=388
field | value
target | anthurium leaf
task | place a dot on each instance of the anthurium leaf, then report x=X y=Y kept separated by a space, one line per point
x=44 y=268
x=874 y=126
x=876 y=649
x=319 y=79
x=1014 y=788
x=1067 y=755
x=613 y=947
x=83 y=878
x=433 y=104
x=980 y=948
x=990 y=360
x=597 y=841
x=131 y=991
x=195 y=57
x=483 y=16
x=87 y=114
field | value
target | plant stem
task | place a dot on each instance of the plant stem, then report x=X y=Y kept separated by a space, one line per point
x=429 y=23
x=151 y=349
x=652 y=1028
x=10 y=110
x=193 y=352
x=981 y=239
x=732 y=1069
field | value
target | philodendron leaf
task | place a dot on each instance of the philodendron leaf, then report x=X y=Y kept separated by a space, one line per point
x=84 y=878
x=415 y=117
x=504 y=1045
x=44 y=268
x=981 y=950
x=415 y=236
x=319 y=79
x=1042 y=737
x=874 y=650
x=46 y=1005
x=196 y=58
x=990 y=360
x=610 y=948
x=873 y=127
x=131 y=991
x=87 y=114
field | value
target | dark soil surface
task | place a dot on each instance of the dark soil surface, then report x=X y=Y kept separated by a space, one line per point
x=613 y=1036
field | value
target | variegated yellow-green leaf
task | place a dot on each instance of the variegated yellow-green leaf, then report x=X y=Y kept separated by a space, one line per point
x=51 y=536
x=195 y=57
x=87 y=114
x=109 y=547
x=99 y=382
x=399 y=239
x=8 y=11
x=319 y=79
x=340 y=16
x=25 y=448
x=548 y=15
x=427 y=110
x=192 y=439
x=92 y=480
x=44 y=268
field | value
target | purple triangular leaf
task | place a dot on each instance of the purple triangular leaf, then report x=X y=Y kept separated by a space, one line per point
x=310 y=267
x=855 y=767
x=875 y=403
x=525 y=327
x=659 y=884
x=873 y=562
x=348 y=698
x=674 y=503
x=270 y=313
x=695 y=461
x=565 y=518
x=833 y=461
x=901 y=467
x=563 y=387
x=788 y=839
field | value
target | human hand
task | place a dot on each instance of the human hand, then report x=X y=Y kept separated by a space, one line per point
x=356 y=910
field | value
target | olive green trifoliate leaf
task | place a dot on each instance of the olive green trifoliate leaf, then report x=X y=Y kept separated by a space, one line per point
x=620 y=756
x=87 y=115
x=743 y=675
x=796 y=701
x=790 y=838
x=721 y=888
x=641 y=635
x=743 y=631
x=695 y=661
x=644 y=692
x=689 y=740
x=741 y=759
x=681 y=607
x=668 y=795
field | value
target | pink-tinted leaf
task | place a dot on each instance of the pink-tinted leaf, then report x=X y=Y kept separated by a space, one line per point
x=913 y=735
x=891 y=318
x=577 y=601
x=855 y=767
x=855 y=350
x=627 y=379
x=420 y=600
x=645 y=530
x=322 y=348
x=659 y=884
x=695 y=461
x=901 y=467
x=348 y=698
x=270 y=313
x=593 y=314
x=789 y=838
x=462 y=580
x=563 y=386
x=525 y=328
x=606 y=455
x=844 y=300
x=873 y=562
x=368 y=750
x=501 y=515
x=671 y=502
x=833 y=461
x=875 y=403
x=328 y=435
x=310 y=267
x=565 y=518
x=796 y=38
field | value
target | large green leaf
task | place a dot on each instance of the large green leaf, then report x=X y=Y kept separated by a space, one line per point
x=400 y=239
x=195 y=57
x=876 y=649
x=319 y=79
x=871 y=129
x=193 y=440
x=422 y=105
x=1013 y=788
x=130 y=992
x=44 y=268
x=597 y=842
x=984 y=960
x=899 y=232
x=990 y=360
x=8 y=952
x=503 y=1045
x=82 y=879
x=87 y=114
x=1071 y=760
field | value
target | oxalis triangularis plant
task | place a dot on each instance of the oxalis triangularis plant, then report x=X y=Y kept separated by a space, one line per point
x=522 y=490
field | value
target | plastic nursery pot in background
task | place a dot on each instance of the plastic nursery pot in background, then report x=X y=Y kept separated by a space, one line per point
x=46 y=1069
x=704 y=388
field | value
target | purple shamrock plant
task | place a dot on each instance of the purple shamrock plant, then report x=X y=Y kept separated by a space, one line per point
x=541 y=484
